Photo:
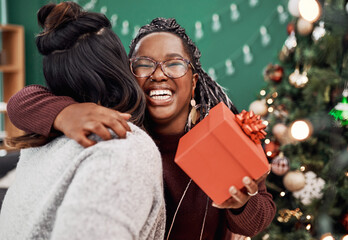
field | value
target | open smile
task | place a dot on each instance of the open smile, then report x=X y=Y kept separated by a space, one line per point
x=160 y=96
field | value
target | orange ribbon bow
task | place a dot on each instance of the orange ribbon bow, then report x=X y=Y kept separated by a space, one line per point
x=252 y=125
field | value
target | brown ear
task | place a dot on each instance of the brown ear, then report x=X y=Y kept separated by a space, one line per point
x=194 y=83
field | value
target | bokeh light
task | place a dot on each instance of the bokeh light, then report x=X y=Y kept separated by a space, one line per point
x=309 y=10
x=300 y=130
x=327 y=236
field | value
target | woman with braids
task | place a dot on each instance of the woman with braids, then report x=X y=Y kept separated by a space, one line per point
x=112 y=190
x=166 y=64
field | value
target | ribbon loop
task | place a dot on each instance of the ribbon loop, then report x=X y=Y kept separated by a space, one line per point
x=252 y=125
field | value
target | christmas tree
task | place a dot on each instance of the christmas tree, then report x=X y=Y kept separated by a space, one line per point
x=306 y=108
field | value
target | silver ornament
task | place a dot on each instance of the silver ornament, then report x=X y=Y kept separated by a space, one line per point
x=291 y=42
x=318 y=32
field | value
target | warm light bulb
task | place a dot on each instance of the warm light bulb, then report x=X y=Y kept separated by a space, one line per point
x=270 y=101
x=327 y=236
x=265 y=237
x=262 y=92
x=345 y=237
x=308 y=227
x=300 y=130
x=282 y=194
x=267 y=141
x=269 y=153
x=275 y=94
x=308 y=217
x=270 y=109
x=302 y=168
x=309 y=10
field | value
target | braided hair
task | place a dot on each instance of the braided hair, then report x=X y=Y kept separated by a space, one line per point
x=208 y=92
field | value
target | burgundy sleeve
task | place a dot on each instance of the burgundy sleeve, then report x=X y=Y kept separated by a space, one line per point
x=257 y=214
x=34 y=109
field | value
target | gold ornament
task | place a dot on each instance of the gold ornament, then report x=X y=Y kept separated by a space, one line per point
x=280 y=131
x=259 y=107
x=294 y=181
x=304 y=27
x=286 y=214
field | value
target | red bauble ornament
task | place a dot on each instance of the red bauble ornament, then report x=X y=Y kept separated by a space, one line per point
x=273 y=72
x=271 y=149
x=290 y=28
x=345 y=221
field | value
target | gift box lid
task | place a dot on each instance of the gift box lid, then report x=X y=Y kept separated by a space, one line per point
x=217 y=154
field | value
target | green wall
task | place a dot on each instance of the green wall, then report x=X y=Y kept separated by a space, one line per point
x=216 y=47
x=23 y=12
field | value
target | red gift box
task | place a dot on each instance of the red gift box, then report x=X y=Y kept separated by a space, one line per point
x=217 y=154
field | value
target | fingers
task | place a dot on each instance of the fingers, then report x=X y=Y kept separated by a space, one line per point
x=215 y=205
x=83 y=140
x=120 y=130
x=115 y=120
x=125 y=116
x=123 y=120
x=117 y=124
x=125 y=124
x=250 y=185
x=237 y=199
x=238 y=195
x=77 y=121
x=99 y=129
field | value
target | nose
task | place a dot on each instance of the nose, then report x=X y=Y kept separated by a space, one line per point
x=158 y=75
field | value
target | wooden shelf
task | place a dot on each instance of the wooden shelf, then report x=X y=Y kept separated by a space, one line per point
x=13 y=69
x=8 y=68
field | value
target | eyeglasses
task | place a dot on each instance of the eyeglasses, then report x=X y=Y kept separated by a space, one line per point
x=173 y=68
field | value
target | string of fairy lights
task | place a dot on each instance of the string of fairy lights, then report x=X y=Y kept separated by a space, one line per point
x=226 y=68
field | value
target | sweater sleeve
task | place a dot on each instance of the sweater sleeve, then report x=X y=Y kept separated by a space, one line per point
x=257 y=214
x=112 y=195
x=34 y=109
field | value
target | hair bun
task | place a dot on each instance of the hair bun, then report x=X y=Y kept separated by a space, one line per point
x=43 y=13
x=64 y=24
x=53 y=16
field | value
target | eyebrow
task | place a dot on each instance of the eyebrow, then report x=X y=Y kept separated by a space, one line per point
x=174 y=55
x=169 y=55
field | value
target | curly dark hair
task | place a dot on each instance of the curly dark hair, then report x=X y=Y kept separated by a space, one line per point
x=208 y=92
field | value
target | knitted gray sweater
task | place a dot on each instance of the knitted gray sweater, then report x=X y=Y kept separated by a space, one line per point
x=112 y=190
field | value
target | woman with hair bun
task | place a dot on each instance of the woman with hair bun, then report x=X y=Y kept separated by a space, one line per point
x=113 y=190
x=179 y=93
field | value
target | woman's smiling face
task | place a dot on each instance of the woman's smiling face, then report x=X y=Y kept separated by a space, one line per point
x=168 y=99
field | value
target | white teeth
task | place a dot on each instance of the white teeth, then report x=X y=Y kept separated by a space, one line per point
x=165 y=97
x=160 y=93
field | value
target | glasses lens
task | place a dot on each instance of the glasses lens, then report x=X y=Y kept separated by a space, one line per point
x=142 y=67
x=175 y=68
